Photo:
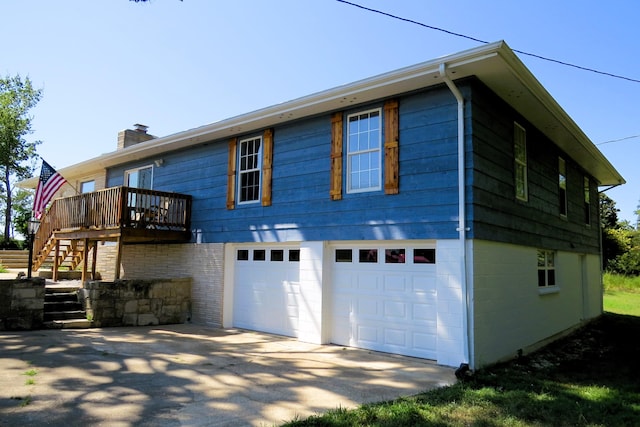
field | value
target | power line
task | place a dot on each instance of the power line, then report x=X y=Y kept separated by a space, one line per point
x=544 y=58
x=619 y=139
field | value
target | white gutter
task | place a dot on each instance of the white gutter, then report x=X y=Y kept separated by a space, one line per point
x=467 y=316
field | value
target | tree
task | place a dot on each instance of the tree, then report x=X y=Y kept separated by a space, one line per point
x=614 y=242
x=17 y=97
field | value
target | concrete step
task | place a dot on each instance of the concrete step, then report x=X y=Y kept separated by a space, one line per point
x=14 y=258
x=68 y=324
x=65 y=315
x=60 y=296
x=61 y=305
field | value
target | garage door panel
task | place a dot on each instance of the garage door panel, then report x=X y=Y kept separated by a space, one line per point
x=424 y=284
x=368 y=334
x=395 y=337
x=368 y=307
x=395 y=283
x=395 y=310
x=368 y=282
x=424 y=312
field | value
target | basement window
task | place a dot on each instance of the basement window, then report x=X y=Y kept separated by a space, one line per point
x=546 y=269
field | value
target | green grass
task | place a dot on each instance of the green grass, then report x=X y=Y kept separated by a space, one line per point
x=622 y=302
x=621 y=294
x=587 y=379
x=619 y=282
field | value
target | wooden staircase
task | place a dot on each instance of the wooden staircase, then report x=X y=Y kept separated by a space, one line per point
x=69 y=253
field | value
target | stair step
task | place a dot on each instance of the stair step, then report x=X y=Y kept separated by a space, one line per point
x=68 y=324
x=57 y=306
x=71 y=294
x=65 y=315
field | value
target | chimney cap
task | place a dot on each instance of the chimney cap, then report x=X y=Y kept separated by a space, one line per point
x=141 y=128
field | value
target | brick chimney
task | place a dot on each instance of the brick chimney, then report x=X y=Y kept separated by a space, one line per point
x=129 y=137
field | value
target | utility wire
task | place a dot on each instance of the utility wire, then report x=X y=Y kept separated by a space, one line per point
x=544 y=58
x=619 y=139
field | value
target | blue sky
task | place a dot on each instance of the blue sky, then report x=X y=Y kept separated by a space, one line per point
x=104 y=65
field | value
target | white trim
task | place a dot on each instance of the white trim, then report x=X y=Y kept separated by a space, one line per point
x=349 y=154
x=130 y=171
x=258 y=169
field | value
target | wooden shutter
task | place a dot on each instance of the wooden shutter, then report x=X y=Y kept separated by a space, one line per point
x=391 y=142
x=231 y=174
x=267 y=161
x=336 y=157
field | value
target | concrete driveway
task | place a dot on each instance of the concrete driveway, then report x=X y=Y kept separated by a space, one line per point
x=191 y=375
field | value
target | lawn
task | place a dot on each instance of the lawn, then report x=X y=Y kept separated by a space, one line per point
x=622 y=294
x=589 y=378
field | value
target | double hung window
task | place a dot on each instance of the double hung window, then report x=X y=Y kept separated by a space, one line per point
x=562 y=186
x=587 y=201
x=364 y=140
x=546 y=269
x=520 y=163
x=250 y=166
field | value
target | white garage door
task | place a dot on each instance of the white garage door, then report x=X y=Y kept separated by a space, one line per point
x=266 y=289
x=384 y=298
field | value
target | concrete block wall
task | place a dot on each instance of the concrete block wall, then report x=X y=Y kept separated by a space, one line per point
x=203 y=263
x=21 y=304
x=137 y=302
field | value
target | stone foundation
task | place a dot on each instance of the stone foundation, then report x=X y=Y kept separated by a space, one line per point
x=21 y=304
x=137 y=302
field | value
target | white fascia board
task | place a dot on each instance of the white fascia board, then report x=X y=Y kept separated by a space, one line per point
x=491 y=63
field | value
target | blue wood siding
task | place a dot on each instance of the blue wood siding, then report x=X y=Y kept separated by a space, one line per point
x=497 y=214
x=425 y=208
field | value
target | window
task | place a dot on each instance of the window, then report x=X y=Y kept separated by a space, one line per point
x=294 y=255
x=546 y=269
x=562 y=186
x=424 y=256
x=249 y=166
x=363 y=151
x=368 y=255
x=139 y=177
x=394 y=256
x=344 y=255
x=259 y=254
x=520 y=155
x=242 y=255
x=277 y=255
x=87 y=187
x=587 y=200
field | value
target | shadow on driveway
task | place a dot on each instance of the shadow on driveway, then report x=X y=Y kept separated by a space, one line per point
x=191 y=375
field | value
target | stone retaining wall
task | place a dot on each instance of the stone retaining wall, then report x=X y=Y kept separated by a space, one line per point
x=21 y=304
x=137 y=302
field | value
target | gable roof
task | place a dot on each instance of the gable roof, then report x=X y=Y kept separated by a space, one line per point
x=495 y=64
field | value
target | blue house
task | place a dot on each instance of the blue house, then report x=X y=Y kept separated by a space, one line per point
x=447 y=211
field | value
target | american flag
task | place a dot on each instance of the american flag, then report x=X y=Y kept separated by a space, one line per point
x=50 y=181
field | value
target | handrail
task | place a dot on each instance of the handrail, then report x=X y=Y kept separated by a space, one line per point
x=115 y=207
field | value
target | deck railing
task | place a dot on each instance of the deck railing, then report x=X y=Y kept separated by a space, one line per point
x=116 y=207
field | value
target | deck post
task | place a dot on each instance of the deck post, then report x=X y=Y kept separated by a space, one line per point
x=85 y=260
x=94 y=260
x=56 y=262
x=118 y=259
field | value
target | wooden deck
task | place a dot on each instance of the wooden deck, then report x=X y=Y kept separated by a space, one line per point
x=122 y=214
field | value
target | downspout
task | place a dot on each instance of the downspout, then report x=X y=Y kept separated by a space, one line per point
x=462 y=227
